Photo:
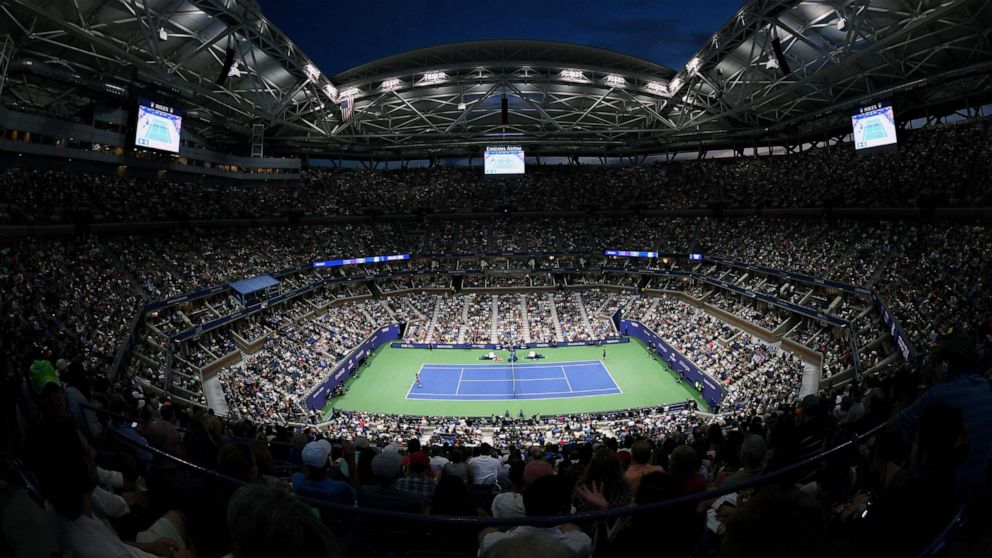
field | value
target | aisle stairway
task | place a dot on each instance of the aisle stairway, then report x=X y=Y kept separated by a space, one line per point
x=524 y=319
x=554 y=317
x=434 y=316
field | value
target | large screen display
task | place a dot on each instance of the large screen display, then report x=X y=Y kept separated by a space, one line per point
x=158 y=127
x=504 y=159
x=874 y=126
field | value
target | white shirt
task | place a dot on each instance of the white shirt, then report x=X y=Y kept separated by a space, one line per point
x=485 y=469
x=87 y=537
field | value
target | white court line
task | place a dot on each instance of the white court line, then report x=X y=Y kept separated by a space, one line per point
x=459 y=385
x=612 y=379
x=518 y=366
x=565 y=374
x=519 y=380
x=612 y=391
x=409 y=391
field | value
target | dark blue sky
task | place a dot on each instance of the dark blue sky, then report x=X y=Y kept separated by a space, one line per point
x=340 y=35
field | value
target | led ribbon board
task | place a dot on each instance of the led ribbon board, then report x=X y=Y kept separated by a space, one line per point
x=358 y=261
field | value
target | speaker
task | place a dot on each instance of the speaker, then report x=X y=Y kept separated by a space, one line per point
x=504 y=111
x=780 y=56
x=228 y=62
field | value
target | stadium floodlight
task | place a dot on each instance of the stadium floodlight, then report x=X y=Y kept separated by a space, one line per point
x=350 y=93
x=842 y=24
x=330 y=91
x=434 y=77
x=462 y=106
x=312 y=72
x=391 y=84
x=235 y=70
x=656 y=88
x=693 y=65
x=163 y=35
x=674 y=85
x=771 y=63
x=572 y=75
x=615 y=81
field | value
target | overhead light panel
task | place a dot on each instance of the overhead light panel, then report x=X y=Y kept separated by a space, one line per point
x=615 y=80
x=350 y=93
x=572 y=74
x=693 y=65
x=330 y=91
x=313 y=74
x=674 y=85
x=434 y=77
x=656 y=88
x=391 y=83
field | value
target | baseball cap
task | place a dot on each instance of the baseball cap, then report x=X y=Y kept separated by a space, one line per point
x=315 y=453
x=419 y=458
x=42 y=374
x=386 y=465
x=362 y=442
x=537 y=469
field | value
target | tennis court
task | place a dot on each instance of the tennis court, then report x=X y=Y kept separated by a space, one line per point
x=499 y=382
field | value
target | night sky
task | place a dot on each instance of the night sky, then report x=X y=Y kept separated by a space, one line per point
x=339 y=35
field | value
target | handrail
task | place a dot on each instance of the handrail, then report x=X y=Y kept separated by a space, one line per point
x=347 y=510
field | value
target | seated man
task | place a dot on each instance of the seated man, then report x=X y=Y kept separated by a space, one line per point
x=548 y=496
x=66 y=468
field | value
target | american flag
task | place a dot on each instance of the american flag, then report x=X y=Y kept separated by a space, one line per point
x=347 y=108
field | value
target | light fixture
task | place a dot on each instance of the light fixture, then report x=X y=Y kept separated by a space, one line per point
x=163 y=35
x=434 y=77
x=350 y=93
x=842 y=24
x=693 y=65
x=674 y=85
x=391 y=83
x=312 y=72
x=235 y=70
x=461 y=105
x=572 y=74
x=615 y=80
x=771 y=63
x=656 y=88
x=330 y=91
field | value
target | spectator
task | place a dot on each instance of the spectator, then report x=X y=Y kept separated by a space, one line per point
x=484 y=468
x=548 y=496
x=418 y=483
x=314 y=482
x=383 y=495
x=511 y=503
x=968 y=392
x=640 y=455
x=266 y=521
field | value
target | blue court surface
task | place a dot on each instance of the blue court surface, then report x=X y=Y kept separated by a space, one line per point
x=498 y=382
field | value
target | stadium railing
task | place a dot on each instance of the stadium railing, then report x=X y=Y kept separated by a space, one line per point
x=349 y=517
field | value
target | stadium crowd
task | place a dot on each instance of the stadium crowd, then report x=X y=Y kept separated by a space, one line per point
x=942 y=166
x=122 y=491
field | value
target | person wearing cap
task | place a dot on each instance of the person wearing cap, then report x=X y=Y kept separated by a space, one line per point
x=511 y=504
x=382 y=494
x=314 y=482
x=418 y=482
x=48 y=389
x=547 y=496
x=967 y=391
